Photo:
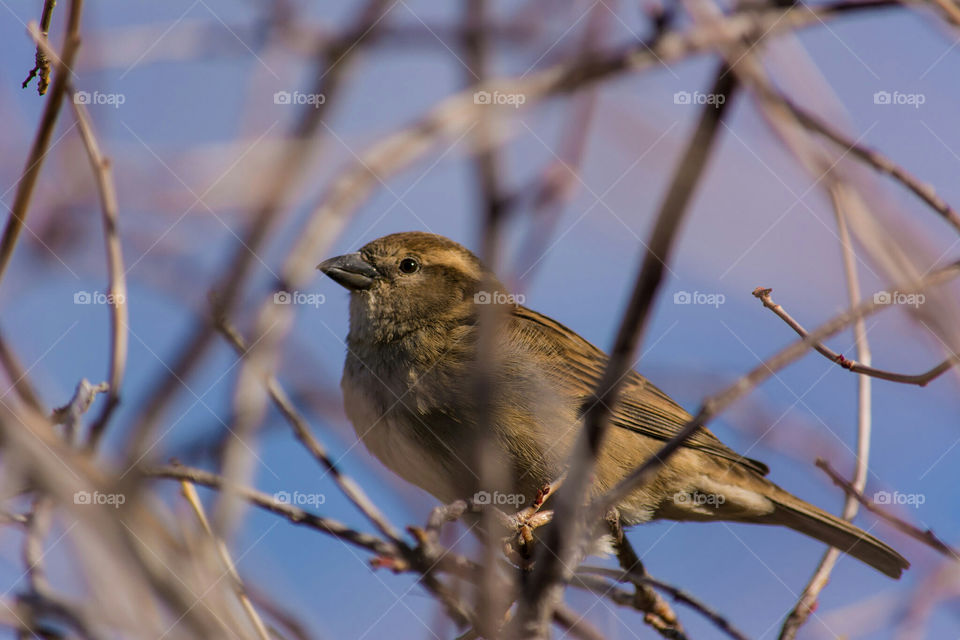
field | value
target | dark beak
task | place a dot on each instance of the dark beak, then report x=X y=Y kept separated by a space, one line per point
x=350 y=271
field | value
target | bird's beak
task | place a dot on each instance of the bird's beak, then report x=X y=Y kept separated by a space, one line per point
x=350 y=271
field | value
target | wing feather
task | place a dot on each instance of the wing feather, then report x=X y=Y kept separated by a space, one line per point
x=641 y=408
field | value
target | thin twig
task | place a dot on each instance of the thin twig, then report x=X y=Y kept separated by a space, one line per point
x=190 y=493
x=301 y=430
x=18 y=377
x=330 y=70
x=103 y=174
x=41 y=141
x=716 y=403
x=872 y=157
x=927 y=536
x=919 y=379
x=808 y=599
x=269 y=503
x=41 y=64
x=70 y=414
x=561 y=543
x=574 y=624
x=585 y=579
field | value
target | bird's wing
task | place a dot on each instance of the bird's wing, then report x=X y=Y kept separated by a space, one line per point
x=641 y=407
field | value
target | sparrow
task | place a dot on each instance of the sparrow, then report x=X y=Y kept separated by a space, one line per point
x=410 y=390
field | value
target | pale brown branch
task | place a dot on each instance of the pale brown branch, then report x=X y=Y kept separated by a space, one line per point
x=871 y=157
x=330 y=70
x=927 y=537
x=18 y=377
x=561 y=542
x=574 y=624
x=41 y=141
x=259 y=499
x=190 y=493
x=119 y=315
x=41 y=66
x=808 y=599
x=69 y=414
x=718 y=402
x=585 y=578
x=919 y=379
x=301 y=430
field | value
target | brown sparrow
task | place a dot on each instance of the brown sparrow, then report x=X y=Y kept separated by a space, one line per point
x=409 y=389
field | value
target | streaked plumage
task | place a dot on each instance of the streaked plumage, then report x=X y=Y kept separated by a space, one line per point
x=408 y=386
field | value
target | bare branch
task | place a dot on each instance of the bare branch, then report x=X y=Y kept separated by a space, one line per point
x=103 y=174
x=808 y=599
x=585 y=579
x=561 y=545
x=919 y=379
x=41 y=66
x=269 y=503
x=720 y=401
x=41 y=141
x=301 y=430
x=927 y=537
x=190 y=493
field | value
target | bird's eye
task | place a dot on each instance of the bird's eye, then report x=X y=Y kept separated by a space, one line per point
x=409 y=265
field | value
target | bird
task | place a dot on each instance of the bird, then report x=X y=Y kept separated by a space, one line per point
x=409 y=386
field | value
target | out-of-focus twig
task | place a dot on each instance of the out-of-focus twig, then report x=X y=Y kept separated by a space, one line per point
x=872 y=157
x=41 y=141
x=808 y=598
x=19 y=381
x=329 y=72
x=103 y=174
x=424 y=558
x=920 y=379
x=574 y=624
x=561 y=543
x=70 y=413
x=190 y=493
x=716 y=403
x=301 y=430
x=927 y=537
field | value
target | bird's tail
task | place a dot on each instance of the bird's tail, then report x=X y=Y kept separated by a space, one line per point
x=807 y=519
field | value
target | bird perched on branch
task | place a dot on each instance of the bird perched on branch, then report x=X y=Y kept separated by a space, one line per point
x=411 y=391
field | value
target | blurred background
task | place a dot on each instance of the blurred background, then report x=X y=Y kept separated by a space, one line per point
x=196 y=103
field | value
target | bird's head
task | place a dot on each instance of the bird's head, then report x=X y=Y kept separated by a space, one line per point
x=408 y=281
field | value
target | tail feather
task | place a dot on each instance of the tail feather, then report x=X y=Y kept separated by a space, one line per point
x=816 y=523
